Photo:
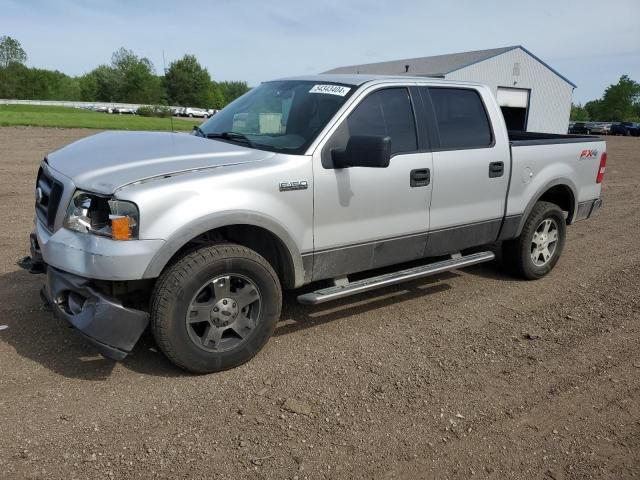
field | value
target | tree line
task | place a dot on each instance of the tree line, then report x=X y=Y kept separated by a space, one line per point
x=620 y=103
x=127 y=79
x=132 y=79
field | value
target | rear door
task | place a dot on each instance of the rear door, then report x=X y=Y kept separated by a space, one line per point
x=364 y=217
x=470 y=169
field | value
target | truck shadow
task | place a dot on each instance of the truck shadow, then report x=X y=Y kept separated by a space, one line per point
x=35 y=334
x=297 y=317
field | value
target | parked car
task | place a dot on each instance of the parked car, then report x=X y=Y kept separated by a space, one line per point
x=626 y=129
x=212 y=112
x=195 y=112
x=123 y=110
x=580 y=128
x=176 y=111
x=308 y=179
x=600 y=128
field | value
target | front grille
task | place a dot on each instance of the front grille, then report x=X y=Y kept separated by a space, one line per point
x=48 y=194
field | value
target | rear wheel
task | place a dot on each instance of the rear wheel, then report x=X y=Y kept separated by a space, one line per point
x=538 y=248
x=215 y=308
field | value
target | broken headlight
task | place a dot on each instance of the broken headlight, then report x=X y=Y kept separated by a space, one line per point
x=104 y=216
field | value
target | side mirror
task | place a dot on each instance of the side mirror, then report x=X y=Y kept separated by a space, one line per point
x=363 y=151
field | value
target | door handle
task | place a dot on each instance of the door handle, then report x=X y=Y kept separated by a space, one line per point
x=420 y=177
x=496 y=169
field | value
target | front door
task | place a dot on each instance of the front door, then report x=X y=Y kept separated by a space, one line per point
x=364 y=217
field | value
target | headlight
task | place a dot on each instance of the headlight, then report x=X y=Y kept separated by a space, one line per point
x=107 y=217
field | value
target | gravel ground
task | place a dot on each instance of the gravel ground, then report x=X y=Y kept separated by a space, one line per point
x=467 y=374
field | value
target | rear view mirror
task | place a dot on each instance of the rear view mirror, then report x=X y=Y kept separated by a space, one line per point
x=363 y=151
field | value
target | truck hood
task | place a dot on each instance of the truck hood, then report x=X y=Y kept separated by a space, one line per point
x=108 y=161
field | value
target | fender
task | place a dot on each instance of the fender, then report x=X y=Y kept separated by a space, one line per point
x=202 y=225
x=540 y=192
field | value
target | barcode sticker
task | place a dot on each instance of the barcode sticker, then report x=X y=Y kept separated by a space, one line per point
x=330 y=89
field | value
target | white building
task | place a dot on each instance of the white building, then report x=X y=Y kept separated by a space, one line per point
x=533 y=96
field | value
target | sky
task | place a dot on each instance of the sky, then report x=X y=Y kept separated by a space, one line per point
x=592 y=43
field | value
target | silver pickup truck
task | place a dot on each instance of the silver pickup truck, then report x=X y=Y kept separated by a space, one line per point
x=301 y=180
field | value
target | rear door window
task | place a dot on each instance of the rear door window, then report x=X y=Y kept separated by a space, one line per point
x=461 y=118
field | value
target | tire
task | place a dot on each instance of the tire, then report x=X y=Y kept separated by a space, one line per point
x=186 y=328
x=518 y=254
x=191 y=115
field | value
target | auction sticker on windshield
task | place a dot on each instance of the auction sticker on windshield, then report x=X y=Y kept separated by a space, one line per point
x=330 y=89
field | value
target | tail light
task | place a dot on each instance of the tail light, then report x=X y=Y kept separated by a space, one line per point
x=603 y=164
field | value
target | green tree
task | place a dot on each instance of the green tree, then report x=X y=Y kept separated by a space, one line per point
x=188 y=83
x=101 y=84
x=18 y=81
x=11 y=52
x=620 y=102
x=128 y=78
x=594 y=110
x=136 y=81
x=12 y=79
x=229 y=91
x=579 y=113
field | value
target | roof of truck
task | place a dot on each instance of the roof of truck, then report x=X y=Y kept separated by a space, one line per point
x=360 y=79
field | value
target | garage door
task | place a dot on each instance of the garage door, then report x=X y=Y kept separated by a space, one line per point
x=513 y=97
x=514 y=103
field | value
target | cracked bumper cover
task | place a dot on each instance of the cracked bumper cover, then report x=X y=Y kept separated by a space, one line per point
x=91 y=256
x=111 y=327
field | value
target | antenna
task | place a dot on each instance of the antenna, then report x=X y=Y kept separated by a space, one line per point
x=164 y=67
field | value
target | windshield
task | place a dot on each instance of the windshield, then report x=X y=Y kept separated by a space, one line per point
x=282 y=116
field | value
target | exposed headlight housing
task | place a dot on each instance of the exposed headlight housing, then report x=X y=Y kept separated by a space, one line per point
x=104 y=216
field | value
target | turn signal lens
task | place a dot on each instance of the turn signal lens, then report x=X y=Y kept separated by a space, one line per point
x=603 y=164
x=120 y=228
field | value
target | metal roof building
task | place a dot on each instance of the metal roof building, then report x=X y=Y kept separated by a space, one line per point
x=533 y=96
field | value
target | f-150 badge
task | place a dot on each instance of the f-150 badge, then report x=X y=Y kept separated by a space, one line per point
x=288 y=186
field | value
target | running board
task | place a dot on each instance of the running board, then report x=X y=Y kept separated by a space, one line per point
x=360 y=286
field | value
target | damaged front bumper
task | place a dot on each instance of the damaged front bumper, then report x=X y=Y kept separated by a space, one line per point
x=110 y=326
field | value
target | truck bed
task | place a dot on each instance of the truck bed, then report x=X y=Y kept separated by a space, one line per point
x=539 y=161
x=538 y=138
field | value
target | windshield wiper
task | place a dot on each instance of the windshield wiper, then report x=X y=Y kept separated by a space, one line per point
x=231 y=136
x=199 y=131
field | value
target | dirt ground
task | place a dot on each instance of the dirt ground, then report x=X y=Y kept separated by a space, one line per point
x=468 y=375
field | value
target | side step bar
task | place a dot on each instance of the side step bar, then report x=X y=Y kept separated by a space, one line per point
x=360 y=286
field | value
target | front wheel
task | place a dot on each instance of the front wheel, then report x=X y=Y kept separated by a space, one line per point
x=215 y=308
x=538 y=248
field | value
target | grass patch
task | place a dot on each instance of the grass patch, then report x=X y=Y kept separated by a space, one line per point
x=63 y=117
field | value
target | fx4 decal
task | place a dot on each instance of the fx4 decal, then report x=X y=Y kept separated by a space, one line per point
x=586 y=154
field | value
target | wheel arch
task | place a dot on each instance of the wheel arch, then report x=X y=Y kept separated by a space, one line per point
x=260 y=233
x=561 y=192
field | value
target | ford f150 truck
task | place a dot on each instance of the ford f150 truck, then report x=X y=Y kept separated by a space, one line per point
x=301 y=180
